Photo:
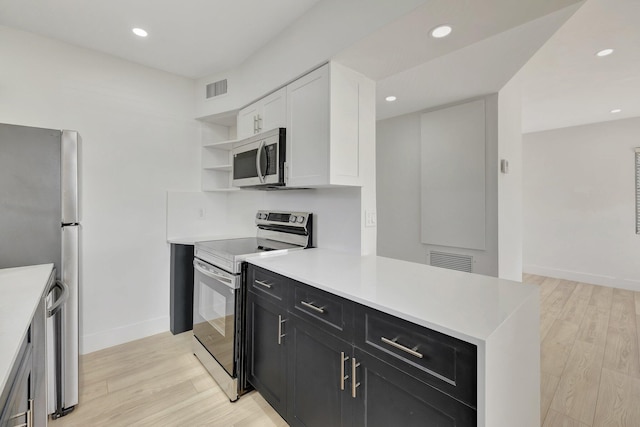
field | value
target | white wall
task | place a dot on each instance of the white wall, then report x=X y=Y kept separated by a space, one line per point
x=510 y=184
x=336 y=213
x=398 y=154
x=139 y=139
x=579 y=199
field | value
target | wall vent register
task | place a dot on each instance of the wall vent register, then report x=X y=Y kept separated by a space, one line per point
x=216 y=88
x=452 y=261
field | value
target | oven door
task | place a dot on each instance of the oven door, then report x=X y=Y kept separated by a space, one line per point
x=215 y=301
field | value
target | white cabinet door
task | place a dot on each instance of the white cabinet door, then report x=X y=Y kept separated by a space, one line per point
x=247 y=121
x=308 y=128
x=273 y=112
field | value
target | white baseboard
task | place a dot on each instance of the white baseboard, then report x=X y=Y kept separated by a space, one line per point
x=100 y=340
x=577 y=276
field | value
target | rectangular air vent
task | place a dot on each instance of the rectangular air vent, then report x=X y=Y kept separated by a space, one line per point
x=452 y=261
x=216 y=88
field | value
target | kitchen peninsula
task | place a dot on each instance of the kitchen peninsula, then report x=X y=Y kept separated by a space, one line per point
x=499 y=317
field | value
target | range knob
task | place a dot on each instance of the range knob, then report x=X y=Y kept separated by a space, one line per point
x=292 y=218
x=300 y=219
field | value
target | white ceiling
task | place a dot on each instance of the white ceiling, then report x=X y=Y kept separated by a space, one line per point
x=567 y=85
x=564 y=83
x=191 y=38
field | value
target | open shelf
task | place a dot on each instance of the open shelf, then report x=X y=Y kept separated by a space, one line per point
x=222 y=145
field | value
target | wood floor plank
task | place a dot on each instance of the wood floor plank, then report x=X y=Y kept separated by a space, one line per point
x=618 y=399
x=547 y=287
x=555 y=302
x=548 y=387
x=601 y=297
x=556 y=419
x=577 y=390
x=556 y=346
x=621 y=352
x=575 y=307
x=594 y=325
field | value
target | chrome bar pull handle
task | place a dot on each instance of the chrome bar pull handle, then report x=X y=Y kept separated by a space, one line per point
x=312 y=307
x=343 y=377
x=261 y=283
x=354 y=384
x=394 y=343
x=280 y=334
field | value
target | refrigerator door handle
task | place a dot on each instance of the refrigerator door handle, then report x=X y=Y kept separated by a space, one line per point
x=62 y=299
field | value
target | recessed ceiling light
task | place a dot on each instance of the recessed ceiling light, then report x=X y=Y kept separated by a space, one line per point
x=390 y=98
x=140 y=32
x=441 y=31
x=605 y=52
x=615 y=110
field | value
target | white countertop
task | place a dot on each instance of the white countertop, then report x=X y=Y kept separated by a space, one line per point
x=463 y=305
x=20 y=290
x=192 y=240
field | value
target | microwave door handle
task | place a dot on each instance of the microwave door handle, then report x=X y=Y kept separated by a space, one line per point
x=258 y=158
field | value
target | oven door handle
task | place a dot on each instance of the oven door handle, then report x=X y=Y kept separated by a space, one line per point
x=229 y=281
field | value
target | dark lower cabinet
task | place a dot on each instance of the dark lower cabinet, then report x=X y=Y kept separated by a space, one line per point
x=181 y=288
x=317 y=362
x=318 y=375
x=267 y=350
x=387 y=396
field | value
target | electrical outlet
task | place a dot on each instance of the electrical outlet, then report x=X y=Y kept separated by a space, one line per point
x=370 y=219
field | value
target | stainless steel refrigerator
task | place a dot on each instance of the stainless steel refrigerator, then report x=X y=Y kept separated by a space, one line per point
x=39 y=223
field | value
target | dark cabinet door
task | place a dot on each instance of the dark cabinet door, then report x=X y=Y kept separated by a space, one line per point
x=387 y=396
x=267 y=326
x=317 y=361
x=181 y=289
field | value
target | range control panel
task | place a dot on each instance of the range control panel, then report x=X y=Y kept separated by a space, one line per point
x=282 y=218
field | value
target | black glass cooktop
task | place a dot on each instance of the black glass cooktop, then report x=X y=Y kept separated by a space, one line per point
x=244 y=246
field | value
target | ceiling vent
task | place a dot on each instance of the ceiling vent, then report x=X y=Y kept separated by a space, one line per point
x=216 y=89
x=452 y=261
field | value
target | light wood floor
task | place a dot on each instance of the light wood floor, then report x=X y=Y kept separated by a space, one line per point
x=590 y=363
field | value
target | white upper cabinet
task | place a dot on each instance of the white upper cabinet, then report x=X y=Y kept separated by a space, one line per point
x=263 y=115
x=330 y=112
x=329 y=116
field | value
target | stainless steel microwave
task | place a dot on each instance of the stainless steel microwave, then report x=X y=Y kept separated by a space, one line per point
x=259 y=161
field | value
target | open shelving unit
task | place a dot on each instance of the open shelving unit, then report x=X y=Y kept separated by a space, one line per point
x=216 y=158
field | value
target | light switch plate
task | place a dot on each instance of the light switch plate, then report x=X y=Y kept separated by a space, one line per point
x=370 y=219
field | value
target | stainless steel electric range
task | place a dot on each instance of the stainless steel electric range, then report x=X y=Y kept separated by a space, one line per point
x=219 y=294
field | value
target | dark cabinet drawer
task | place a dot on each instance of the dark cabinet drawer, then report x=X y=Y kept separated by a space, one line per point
x=269 y=285
x=332 y=313
x=444 y=362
